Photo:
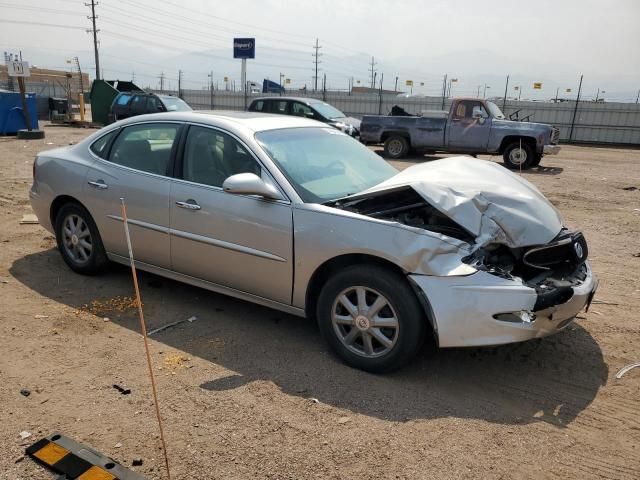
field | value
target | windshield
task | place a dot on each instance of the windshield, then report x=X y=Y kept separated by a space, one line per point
x=174 y=104
x=495 y=111
x=327 y=111
x=323 y=163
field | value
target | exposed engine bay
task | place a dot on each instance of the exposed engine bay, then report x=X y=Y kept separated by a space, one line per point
x=404 y=205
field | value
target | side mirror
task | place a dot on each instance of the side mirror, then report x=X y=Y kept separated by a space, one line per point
x=309 y=115
x=250 y=184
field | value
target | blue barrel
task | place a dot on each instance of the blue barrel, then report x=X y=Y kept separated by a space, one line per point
x=11 y=115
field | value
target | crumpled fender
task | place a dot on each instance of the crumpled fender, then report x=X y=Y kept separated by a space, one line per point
x=494 y=204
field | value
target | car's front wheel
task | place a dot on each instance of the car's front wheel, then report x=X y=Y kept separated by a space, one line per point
x=78 y=240
x=371 y=318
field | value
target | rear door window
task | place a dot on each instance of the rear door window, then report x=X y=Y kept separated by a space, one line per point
x=279 y=106
x=139 y=105
x=145 y=147
x=99 y=147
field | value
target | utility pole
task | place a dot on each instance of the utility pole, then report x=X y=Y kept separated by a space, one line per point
x=179 y=83
x=504 y=100
x=395 y=89
x=161 y=77
x=484 y=93
x=598 y=95
x=373 y=71
x=324 y=88
x=95 y=31
x=478 y=94
x=133 y=77
x=638 y=97
x=211 y=90
x=575 y=110
x=317 y=61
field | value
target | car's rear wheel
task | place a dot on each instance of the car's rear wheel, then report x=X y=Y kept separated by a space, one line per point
x=396 y=146
x=518 y=155
x=371 y=318
x=79 y=241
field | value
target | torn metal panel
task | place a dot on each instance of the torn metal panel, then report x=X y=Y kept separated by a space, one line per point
x=487 y=200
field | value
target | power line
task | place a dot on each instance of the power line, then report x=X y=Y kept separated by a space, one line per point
x=317 y=61
x=93 y=30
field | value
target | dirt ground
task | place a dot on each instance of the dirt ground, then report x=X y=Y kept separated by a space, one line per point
x=248 y=392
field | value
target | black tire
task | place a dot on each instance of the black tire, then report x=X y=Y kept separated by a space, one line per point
x=396 y=146
x=402 y=305
x=96 y=257
x=536 y=160
x=527 y=155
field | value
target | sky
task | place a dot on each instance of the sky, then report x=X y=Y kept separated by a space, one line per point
x=477 y=42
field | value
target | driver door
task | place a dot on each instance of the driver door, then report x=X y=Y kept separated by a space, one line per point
x=469 y=127
x=242 y=242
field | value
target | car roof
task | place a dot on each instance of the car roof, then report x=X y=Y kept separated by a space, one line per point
x=254 y=121
x=298 y=99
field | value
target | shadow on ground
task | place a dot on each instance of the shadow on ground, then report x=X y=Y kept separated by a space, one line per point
x=549 y=380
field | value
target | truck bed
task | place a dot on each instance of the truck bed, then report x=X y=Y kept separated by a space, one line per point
x=426 y=131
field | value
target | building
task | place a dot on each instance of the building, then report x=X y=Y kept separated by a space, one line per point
x=43 y=77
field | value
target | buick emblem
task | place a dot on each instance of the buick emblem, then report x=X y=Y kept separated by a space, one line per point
x=578 y=248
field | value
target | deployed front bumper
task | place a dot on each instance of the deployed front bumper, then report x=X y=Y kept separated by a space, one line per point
x=551 y=149
x=464 y=308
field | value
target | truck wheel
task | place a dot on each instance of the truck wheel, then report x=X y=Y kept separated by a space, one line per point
x=519 y=155
x=536 y=160
x=396 y=146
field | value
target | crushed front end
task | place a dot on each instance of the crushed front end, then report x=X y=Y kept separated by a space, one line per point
x=517 y=293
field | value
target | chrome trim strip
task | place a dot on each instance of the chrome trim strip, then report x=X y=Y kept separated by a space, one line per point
x=226 y=245
x=214 y=287
x=138 y=223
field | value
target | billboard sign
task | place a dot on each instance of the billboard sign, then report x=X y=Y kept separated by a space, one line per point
x=244 y=48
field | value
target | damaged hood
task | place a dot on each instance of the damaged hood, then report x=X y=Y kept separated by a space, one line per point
x=492 y=203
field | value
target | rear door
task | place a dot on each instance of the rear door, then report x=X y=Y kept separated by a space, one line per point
x=466 y=133
x=242 y=242
x=139 y=105
x=135 y=168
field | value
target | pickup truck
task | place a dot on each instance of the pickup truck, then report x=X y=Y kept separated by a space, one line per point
x=471 y=126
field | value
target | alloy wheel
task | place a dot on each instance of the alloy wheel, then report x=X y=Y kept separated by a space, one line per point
x=76 y=238
x=365 y=322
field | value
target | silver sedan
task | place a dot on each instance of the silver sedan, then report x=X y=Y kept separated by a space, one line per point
x=295 y=215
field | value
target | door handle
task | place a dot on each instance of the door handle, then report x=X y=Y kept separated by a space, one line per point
x=99 y=184
x=189 y=205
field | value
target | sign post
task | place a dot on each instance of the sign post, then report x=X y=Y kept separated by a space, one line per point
x=21 y=70
x=244 y=48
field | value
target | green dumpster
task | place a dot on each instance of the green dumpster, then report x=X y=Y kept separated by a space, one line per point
x=102 y=94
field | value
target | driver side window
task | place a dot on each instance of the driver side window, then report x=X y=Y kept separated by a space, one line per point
x=301 y=110
x=210 y=157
